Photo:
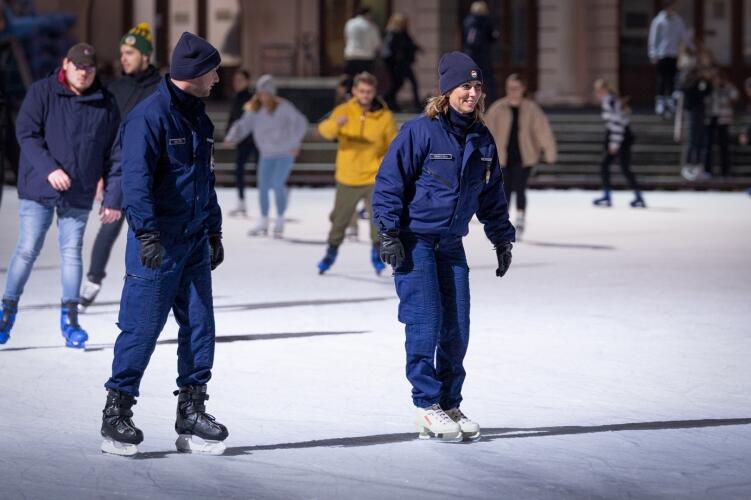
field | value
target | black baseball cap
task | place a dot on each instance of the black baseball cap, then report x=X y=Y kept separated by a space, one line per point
x=82 y=54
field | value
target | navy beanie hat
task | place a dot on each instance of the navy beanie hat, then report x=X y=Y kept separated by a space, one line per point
x=456 y=68
x=193 y=57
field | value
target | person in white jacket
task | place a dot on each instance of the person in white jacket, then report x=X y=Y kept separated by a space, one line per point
x=362 y=44
x=666 y=34
x=278 y=129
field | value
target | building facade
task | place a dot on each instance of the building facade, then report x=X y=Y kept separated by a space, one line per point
x=561 y=46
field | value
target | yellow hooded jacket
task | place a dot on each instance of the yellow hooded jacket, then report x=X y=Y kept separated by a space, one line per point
x=363 y=140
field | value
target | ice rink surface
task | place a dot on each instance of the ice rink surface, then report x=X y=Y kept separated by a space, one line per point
x=613 y=361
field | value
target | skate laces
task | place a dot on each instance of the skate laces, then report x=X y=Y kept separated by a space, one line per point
x=458 y=415
x=441 y=415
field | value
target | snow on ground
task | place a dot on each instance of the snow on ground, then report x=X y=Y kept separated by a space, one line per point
x=611 y=362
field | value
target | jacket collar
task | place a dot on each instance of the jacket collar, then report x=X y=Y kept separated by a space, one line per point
x=376 y=108
x=93 y=93
x=165 y=93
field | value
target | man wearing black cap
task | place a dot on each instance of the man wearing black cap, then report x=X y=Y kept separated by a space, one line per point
x=174 y=242
x=66 y=129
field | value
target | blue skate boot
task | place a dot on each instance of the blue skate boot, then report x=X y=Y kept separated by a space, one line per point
x=328 y=259
x=638 y=201
x=603 y=201
x=10 y=308
x=75 y=336
x=375 y=259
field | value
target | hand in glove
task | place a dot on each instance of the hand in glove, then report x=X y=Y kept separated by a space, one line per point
x=150 y=250
x=392 y=250
x=217 y=250
x=503 y=252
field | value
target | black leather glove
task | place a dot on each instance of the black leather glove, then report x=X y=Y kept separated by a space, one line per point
x=150 y=249
x=392 y=250
x=503 y=252
x=217 y=250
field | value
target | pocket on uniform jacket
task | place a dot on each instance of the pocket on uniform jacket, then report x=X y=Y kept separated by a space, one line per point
x=138 y=303
x=179 y=151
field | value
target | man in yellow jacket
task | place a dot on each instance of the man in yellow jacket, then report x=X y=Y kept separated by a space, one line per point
x=364 y=128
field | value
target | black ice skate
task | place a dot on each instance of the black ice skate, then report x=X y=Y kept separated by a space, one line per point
x=121 y=436
x=198 y=432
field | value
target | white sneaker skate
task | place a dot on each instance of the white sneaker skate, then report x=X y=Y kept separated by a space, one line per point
x=260 y=229
x=433 y=420
x=117 y=448
x=279 y=227
x=188 y=443
x=88 y=294
x=240 y=210
x=519 y=225
x=470 y=429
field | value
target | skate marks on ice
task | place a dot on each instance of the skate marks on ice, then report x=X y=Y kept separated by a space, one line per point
x=276 y=305
x=36 y=268
x=219 y=339
x=571 y=246
x=488 y=434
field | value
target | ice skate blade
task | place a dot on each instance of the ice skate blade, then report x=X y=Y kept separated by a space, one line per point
x=188 y=443
x=452 y=437
x=117 y=448
x=471 y=436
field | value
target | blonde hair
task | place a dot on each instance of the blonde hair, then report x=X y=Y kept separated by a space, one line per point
x=366 y=78
x=255 y=104
x=603 y=84
x=479 y=8
x=397 y=22
x=440 y=105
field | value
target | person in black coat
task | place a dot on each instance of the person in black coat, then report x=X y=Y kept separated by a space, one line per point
x=399 y=51
x=246 y=149
x=477 y=42
x=139 y=81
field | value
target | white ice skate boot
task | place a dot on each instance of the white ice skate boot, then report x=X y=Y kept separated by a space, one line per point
x=519 y=225
x=433 y=420
x=470 y=429
x=89 y=291
x=240 y=210
x=279 y=227
x=260 y=229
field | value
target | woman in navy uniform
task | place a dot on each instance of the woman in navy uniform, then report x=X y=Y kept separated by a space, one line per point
x=441 y=170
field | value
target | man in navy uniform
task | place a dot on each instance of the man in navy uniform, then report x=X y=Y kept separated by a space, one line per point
x=174 y=241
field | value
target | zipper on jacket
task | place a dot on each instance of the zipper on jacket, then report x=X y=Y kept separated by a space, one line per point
x=439 y=178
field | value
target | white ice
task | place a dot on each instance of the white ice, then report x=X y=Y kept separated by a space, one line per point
x=613 y=361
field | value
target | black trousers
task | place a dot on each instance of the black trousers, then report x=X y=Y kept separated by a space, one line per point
x=667 y=68
x=100 y=253
x=245 y=151
x=398 y=75
x=624 y=156
x=719 y=131
x=515 y=178
x=354 y=66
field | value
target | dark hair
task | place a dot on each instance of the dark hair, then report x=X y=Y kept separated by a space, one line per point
x=363 y=11
x=244 y=72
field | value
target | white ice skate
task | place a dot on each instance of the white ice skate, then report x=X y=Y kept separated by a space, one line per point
x=117 y=448
x=188 y=443
x=278 y=227
x=89 y=291
x=239 y=210
x=470 y=429
x=260 y=229
x=433 y=420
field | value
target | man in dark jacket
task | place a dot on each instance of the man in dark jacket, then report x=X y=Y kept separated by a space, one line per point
x=66 y=129
x=139 y=80
x=174 y=241
x=246 y=149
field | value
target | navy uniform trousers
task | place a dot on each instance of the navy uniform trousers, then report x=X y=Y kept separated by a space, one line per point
x=181 y=284
x=433 y=289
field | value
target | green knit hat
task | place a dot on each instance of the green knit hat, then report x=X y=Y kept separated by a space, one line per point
x=140 y=38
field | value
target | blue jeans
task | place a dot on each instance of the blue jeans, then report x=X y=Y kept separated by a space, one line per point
x=181 y=284
x=433 y=289
x=273 y=173
x=35 y=220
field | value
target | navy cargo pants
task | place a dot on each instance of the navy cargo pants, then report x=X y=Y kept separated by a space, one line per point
x=433 y=289
x=183 y=284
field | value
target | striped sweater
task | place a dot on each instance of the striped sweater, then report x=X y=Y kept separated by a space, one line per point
x=616 y=120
